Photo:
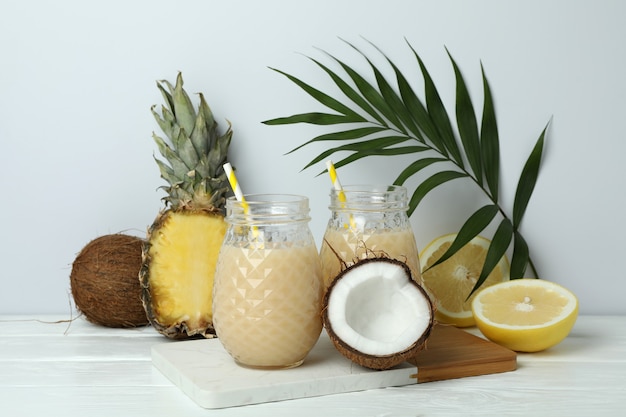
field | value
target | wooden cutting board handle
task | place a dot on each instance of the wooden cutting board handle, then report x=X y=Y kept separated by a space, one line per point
x=454 y=353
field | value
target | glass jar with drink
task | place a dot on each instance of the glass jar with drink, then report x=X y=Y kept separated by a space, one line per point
x=268 y=290
x=365 y=221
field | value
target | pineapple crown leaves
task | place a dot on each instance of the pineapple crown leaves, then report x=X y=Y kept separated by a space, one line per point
x=195 y=154
x=388 y=118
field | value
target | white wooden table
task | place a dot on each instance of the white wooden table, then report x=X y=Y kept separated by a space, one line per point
x=81 y=369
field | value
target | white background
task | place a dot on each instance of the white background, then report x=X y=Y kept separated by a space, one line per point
x=78 y=79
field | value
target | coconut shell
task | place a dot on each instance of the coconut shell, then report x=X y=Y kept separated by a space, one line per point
x=105 y=281
x=367 y=360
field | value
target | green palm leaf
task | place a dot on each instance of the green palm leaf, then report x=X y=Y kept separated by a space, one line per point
x=468 y=127
x=351 y=93
x=379 y=146
x=371 y=94
x=527 y=181
x=345 y=135
x=475 y=224
x=378 y=152
x=521 y=256
x=316 y=118
x=490 y=142
x=419 y=113
x=387 y=115
x=438 y=114
x=414 y=109
x=390 y=96
x=431 y=183
x=323 y=98
x=499 y=244
x=415 y=167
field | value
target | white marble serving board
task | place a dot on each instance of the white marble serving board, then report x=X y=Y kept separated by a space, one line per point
x=204 y=371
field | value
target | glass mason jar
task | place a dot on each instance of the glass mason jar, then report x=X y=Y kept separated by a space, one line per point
x=267 y=293
x=367 y=221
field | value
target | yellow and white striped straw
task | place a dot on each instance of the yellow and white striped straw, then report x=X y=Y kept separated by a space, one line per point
x=234 y=184
x=337 y=186
x=335 y=181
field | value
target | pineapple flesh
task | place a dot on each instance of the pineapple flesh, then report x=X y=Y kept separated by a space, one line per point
x=183 y=242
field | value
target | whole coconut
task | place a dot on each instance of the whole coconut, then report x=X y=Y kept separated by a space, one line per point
x=105 y=281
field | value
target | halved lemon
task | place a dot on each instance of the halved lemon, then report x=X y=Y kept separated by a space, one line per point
x=450 y=282
x=525 y=315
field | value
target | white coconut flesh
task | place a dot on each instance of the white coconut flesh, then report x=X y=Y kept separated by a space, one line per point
x=377 y=310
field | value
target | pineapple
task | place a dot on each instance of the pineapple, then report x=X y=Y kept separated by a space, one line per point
x=183 y=243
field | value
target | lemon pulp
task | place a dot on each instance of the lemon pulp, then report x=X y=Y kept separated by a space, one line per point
x=525 y=315
x=450 y=282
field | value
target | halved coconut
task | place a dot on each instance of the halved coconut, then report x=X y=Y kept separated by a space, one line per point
x=375 y=313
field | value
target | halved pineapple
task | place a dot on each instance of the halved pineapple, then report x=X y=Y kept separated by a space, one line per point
x=183 y=243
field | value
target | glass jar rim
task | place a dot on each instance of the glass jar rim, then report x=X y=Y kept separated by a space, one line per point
x=368 y=197
x=372 y=188
x=267 y=208
x=264 y=198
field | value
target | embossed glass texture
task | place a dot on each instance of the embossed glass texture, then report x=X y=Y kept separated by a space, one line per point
x=267 y=294
x=366 y=221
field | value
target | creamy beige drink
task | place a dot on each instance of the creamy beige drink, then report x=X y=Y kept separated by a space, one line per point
x=349 y=245
x=367 y=221
x=267 y=309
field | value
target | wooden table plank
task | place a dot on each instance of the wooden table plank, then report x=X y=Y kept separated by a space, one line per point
x=89 y=370
x=80 y=373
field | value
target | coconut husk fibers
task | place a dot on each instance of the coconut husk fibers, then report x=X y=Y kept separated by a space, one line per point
x=105 y=281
